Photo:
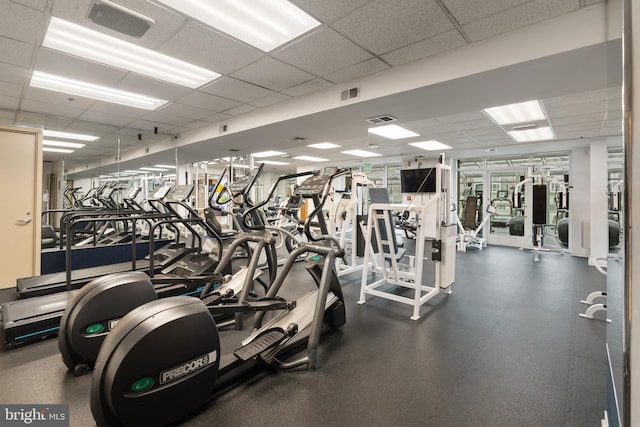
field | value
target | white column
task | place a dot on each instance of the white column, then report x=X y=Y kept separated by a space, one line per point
x=579 y=202
x=598 y=203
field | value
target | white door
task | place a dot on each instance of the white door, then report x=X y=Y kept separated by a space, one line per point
x=20 y=192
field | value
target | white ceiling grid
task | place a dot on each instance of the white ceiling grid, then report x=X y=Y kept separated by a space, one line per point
x=357 y=38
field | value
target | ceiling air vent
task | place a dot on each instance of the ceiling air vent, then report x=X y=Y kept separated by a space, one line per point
x=348 y=94
x=118 y=18
x=528 y=126
x=381 y=119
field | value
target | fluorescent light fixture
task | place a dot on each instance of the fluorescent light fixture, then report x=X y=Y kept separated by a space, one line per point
x=361 y=153
x=528 y=111
x=164 y=166
x=68 y=135
x=88 y=44
x=392 y=132
x=62 y=144
x=530 y=135
x=268 y=154
x=323 y=145
x=131 y=171
x=272 y=162
x=430 y=145
x=311 y=159
x=263 y=24
x=89 y=90
x=56 y=150
x=153 y=169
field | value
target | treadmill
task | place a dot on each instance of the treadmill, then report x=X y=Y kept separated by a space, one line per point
x=34 y=319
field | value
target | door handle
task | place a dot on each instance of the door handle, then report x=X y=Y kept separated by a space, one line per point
x=24 y=221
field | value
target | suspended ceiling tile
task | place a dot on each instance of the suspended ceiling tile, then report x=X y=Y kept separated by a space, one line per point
x=577 y=119
x=166 y=21
x=202 y=46
x=307 y=87
x=465 y=117
x=207 y=102
x=517 y=17
x=152 y=87
x=52 y=62
x=578 y=134
x=33 y=4
x=12 y=73
x=272 y=74
x=40 y=120
x=354 y=72
x=425 y=48
x=15 y=52
x=270 y=100
x=322 y=52
x=327 y=11
x=231 y=88
x=182 y=110
x=467 y=11
x=215 y=118
x=6 y=117
x=57 y=98
x=17 y=22
x=10 y=89
x=166 y=118
x=105 y=118
x=197 y=124
x=9 y=102
x=57 y=110
x=96 y=129
x=559 y=129
x=240 y=109
x=383 y=26
x=575 y=110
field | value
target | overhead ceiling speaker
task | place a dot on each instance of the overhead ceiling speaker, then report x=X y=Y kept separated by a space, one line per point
x=119 y=18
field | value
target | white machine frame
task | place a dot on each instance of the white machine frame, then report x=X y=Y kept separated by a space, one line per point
x=432 y=215
x=469 y=238
x=539 y=175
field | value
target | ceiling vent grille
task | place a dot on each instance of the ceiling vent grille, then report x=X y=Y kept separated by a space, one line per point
x=349 y=94
x=381 y=119
x=118 y=18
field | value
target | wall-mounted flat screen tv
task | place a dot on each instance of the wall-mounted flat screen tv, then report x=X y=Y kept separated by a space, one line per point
x=418 y=180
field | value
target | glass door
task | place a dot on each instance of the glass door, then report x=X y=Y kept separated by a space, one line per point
x=509 y=223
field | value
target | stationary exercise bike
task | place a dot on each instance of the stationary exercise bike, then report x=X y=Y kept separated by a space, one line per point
x=162 y=361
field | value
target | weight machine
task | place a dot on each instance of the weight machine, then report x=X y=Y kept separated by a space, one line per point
x=469 y=238
x=538 y=176
x=346 y=215
x=432 y=214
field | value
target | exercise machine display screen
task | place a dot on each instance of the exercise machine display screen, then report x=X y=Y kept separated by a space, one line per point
x=241 y=184
x=315 y=183
x=418 y=180
x=181 y=193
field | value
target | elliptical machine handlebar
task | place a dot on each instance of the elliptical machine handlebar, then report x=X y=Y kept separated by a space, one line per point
x=258 y=227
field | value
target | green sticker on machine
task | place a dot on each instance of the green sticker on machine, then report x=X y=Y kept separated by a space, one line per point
x=95 y=328
x=142 y=384
x=316 y=257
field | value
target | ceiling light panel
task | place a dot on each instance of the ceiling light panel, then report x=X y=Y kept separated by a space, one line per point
x=165 y=166
x=79 y=41
x=430 y=145
x=153 y=169
x=311 y=159
x=63 y=144
x=272 y=162
x=361 y=153
x=89 y=90
x=392 y=132
x=529 y=111
x=323 y=145
x=69 y=135
x=263 y=24
x=268 y=154
x=531 y=135
x=56 y=150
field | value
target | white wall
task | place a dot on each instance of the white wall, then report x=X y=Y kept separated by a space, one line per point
x=598 y=204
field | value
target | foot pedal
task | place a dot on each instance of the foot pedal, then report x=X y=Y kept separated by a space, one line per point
x=267 y=340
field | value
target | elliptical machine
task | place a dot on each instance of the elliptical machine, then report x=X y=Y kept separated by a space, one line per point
x=131 y=388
